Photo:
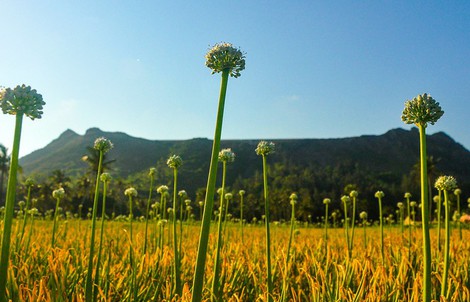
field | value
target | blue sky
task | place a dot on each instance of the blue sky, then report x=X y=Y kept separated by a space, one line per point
x=314 y=69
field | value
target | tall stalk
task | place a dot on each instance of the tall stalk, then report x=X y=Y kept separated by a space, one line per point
x=241 y=193
x=408 y=196
x=223 y=58
x=379 y=195
x=293 y=200
x=29 y=183
x=363 y=216
x=353 y=195
x=420 y=111
x=58 y=195
x=326 y=202
x=457 y=193
x=152 y=177
x=439 y=219
x=132 y=193
x=446 y=184
x=345 y=199
x=103 y=145
x=175 y=162
x=264 y=149
x=105 y=178
x=22 y=100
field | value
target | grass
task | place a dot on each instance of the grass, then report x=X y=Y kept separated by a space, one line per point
x=44 y=274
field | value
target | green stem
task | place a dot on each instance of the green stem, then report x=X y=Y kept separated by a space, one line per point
x=198 y=280
x=381 y=231
x=98 y=262
x=148 y=211
x=439 y=207
x=89 y=278
x=353 y=224
x=176 y=269
x=9 y=208
x=446 y=245
x=241 y=215
x=27 y=206
x=54 y=228
x=460 y=214
x=215 y=279
x=326 y=223
x=364 y=224
x=346 y=225
x=268 y=236
x=425 y=216
x=409 y=227
x=284 y=283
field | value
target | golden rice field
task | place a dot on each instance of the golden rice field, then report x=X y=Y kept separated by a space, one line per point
x=320 y=270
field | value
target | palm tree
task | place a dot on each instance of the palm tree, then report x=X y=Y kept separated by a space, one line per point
x=4 y=166
x=92 y=158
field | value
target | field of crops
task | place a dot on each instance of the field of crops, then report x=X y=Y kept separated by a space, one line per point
x=319 y=270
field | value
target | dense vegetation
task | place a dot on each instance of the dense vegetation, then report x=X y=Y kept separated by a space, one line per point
x=313 y=168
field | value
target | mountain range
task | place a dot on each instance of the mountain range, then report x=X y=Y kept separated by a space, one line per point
x=393 y=153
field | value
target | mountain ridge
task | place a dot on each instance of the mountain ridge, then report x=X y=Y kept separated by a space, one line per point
x=395 y=151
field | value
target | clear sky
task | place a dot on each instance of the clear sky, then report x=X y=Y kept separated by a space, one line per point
x=314 y=69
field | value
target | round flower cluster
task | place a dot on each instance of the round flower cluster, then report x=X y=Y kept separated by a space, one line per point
x=353 y=194
x=226 y=155
x=447 y=183
x=59 y=193
x=228 y=196
x=131 y=192
x=379 y=194
x=421 y=110
x=407 y=195
x=326 y=201
x=22 y=100
x=152 y=171
x=241 y=192
x=223 y=56
x=29 y=182
x=363 y=215
x=105 y=177
x=103 y=144
x=345 y=199
x=264 y=148
x=162 y=189
x=174 y=161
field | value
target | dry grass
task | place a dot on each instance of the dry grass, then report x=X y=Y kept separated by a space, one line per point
x=319 y=271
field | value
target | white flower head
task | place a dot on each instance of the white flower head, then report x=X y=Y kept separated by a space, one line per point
x=103 y=144
x=105 y=177
x=226 y=155
x=447 y=183
x=162 y=189
x=264 y=148
x=59 y=193
x=422 y=110
x=174 y=161
x=22 y=100
x=379 y=194
x=131 y=192
x=223 y=56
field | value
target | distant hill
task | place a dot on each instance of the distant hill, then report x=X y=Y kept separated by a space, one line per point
x=316 y=167
x=395 y=151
